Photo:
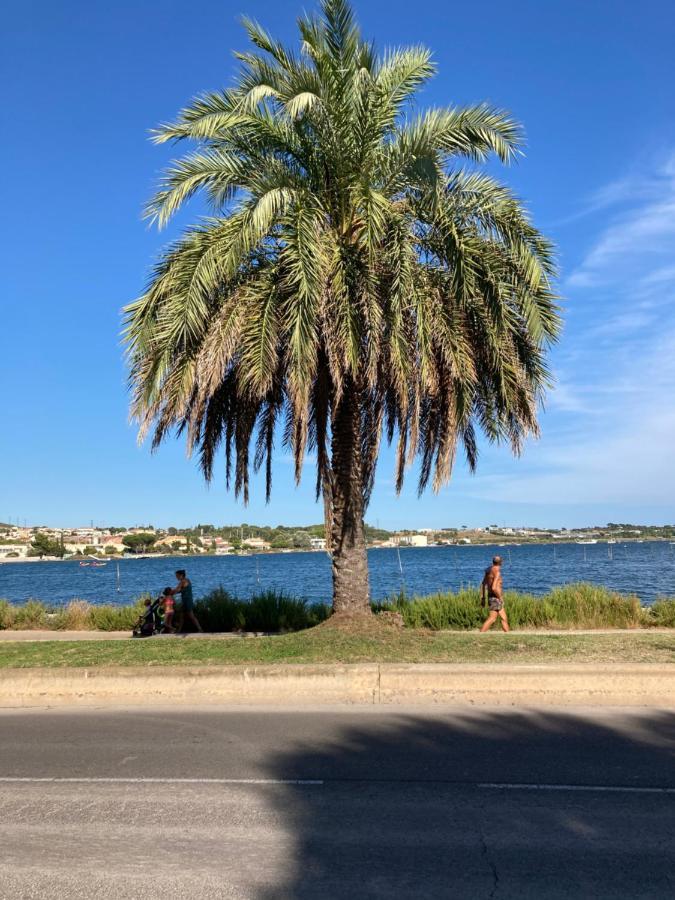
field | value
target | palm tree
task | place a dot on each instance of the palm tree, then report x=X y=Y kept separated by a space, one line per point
x=358 y=275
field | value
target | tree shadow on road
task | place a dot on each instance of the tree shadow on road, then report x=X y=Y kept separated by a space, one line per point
x=401 y=813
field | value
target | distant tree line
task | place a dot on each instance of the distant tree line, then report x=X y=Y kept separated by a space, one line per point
x=278 y=536
x=43 y=545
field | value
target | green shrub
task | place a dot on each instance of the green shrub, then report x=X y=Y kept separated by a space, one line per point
x=439 y=611
x=31 y=614
x=217 y=611
x=275 y=611
x=220 y=611
x=399 y=603
x=593 y=606
x=6 y=614
x=661 y=613
x=526 y=611
x=270 y=610
x=115 y=618
x=317 y=613
x=76 y=616
x=569 y=606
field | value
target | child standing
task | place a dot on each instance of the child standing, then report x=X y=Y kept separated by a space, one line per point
x=168 y=607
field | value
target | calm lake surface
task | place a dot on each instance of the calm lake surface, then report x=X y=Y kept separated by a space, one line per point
x=646 y=569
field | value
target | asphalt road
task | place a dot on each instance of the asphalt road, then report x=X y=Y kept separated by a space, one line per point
x=337 y=804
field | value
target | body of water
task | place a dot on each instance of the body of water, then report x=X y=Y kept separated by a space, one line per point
x=646 y=569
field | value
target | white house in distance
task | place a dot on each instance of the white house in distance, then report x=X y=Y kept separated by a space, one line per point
x=13 y=551
x=256 y=543
x=413 y=540
x=223 y=547
x=317 y=543
x=115 y=541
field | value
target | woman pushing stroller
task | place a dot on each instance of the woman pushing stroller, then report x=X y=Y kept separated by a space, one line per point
x=158 y=617
x=187 y=604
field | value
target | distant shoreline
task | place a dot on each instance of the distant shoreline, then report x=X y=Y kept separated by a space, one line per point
x=463 y=546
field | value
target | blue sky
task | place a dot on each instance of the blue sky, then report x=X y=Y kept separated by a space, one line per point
x=82 y=84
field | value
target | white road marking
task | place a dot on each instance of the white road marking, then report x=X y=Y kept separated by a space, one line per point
x=577 y=787
x=83 y=780
x=55 y=779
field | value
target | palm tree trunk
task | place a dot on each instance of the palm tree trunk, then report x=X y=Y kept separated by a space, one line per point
x=350 y=563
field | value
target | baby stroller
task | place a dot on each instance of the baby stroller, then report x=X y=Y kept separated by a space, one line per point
x=150 y=621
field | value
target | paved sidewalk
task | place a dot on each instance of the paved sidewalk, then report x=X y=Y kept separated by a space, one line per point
x=36 y=635
x=11 y=635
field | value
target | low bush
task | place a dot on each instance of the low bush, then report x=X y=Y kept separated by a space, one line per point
x=662 y=613
x=267 y=611
x=566 y=607
x=31 y=614
x=6 y=614
x=76 y=616
x=593 y=606
x=217 y=611
x=276 y=611
x=115 y=618
x=317 y=613
x=569 y=606
x=220 y=611
x=438 y=611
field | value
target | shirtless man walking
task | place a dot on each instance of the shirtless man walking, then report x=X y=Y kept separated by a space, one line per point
x=491 y=587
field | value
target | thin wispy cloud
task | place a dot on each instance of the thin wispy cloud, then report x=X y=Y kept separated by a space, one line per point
x=609 y=428
x=640 y=236
x=600 y=467
x=634 y=188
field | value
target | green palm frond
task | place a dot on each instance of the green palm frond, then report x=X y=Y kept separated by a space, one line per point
x=209 y=116
x=349 y=249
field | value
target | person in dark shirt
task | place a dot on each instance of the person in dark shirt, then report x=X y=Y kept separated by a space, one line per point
x=187 y=604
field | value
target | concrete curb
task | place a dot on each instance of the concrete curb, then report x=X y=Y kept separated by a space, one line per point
x=535 y=685
x=391 y=684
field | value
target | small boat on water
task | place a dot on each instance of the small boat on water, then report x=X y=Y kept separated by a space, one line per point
x=590 y=541
x=611 y=541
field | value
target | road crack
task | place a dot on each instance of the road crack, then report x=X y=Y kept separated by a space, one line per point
x=487 y=856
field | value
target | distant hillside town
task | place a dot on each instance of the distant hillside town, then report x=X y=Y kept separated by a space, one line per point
x=19 y=542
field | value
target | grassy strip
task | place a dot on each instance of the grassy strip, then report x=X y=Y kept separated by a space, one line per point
x=570 y=606
x=333 y=646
